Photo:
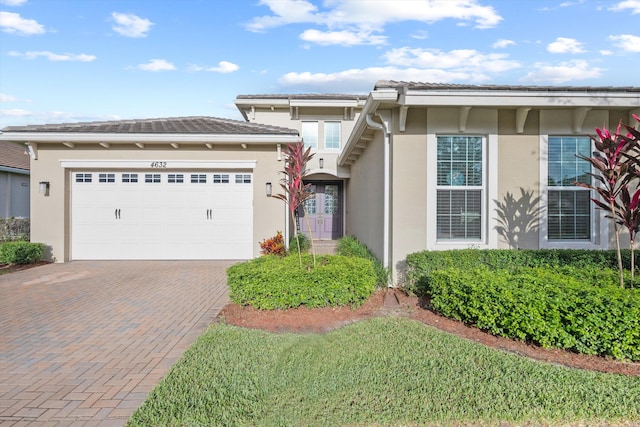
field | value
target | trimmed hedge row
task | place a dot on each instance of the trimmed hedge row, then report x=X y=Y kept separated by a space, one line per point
x=21 y=252
x=568 y=299
x=352 y=247
x=271 y=282
x=545 y=306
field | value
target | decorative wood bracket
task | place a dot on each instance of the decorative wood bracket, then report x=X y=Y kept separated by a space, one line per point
x=462 y=118
x=521 y=118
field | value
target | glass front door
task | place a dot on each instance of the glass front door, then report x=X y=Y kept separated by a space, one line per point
x=322 y=216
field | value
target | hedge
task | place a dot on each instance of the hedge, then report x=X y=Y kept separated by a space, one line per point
x=21 y=252
x=550 y=307
x=271 y=282
x=350 y=246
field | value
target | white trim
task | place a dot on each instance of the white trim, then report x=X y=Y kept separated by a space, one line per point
x=15 y=170
x=489 y=239
x=165 y=164
x=131 y=138
x=599 y=228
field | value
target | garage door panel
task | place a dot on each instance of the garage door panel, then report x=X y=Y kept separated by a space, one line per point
x=161 y=220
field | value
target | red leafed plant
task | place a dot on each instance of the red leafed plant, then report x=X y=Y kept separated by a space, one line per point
x=616 y=162
x=295 y=190
x=273 y=245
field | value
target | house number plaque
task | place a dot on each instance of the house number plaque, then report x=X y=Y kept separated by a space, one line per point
x=158 y=165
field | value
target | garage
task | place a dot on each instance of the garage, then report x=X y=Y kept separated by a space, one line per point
x=161 y=214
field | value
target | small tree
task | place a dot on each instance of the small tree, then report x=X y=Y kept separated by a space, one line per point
x=296 y=192
x=616 y=162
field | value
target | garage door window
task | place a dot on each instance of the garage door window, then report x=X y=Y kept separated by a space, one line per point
x=130 y=177
x=198 y=178
x=243 y=179
x=83 y=177
x=152 y=178
x=220 y=178
x=175 y=178
x=107 y=177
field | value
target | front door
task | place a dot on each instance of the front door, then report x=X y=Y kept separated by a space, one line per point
x=322 y=216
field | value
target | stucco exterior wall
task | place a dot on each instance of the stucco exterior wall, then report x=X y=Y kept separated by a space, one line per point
x=365 y=198
x=409 y=188
x=51 y=213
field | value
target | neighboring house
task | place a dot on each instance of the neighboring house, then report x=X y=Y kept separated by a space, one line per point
x=14 y=180
x=411 y=166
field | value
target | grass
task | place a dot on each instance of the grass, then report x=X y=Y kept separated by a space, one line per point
x=383 y=371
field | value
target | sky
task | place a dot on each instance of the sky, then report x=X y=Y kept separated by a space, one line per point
x=67 y=61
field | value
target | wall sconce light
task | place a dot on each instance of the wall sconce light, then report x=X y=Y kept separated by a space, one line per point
x=268 y=189
x=43 y=188
x=321 y=163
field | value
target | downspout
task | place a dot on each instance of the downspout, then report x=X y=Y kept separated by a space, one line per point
x=386 y=190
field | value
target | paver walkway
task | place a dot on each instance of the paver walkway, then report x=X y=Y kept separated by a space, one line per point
x=83 y=343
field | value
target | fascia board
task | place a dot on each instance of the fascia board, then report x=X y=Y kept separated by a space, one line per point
x=14 y=170
x=520 y=99
x=248 y=102
x=324 y=103
x=53 y=137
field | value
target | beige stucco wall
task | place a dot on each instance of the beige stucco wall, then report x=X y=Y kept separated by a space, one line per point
x=409 y=188
x=365 y=198
x=50 y=215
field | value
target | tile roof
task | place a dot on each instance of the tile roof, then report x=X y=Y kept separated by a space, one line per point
x=393 y=84
x=324 y=96
x=13 y=155
x=174 y=125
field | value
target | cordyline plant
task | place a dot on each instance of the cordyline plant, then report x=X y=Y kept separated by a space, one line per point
x=296 y=192
x=616 y=164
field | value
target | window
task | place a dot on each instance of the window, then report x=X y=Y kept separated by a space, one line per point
x=175 y=178
x=83 y=177
x=130 y=177
x=569 y=206
x=460 y=186
x=310 y=134
x=220 y=178
x=107 y=177
x=198 y=178
x=152 y=178
x=243 y=179
x=332 y=135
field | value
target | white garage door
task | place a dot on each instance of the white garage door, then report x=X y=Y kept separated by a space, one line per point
x=161 y=215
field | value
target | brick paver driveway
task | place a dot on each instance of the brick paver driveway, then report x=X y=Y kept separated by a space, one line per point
x=83 y=343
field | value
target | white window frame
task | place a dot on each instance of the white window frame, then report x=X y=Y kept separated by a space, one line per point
x=599 y=226
x=326 y=134
x=309 y=128
x=489 y=239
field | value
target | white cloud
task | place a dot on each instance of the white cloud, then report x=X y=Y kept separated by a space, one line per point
x=622 y=6
x=7 y=98
x=563 y=72
x=420 y=35
x=464 y=60
x=157 y=65
x=223 y=67
x=13 y=23
x=56 y=57
x=357 y=16
x=129 y=25
x=626 y=42
x=565 y=45
x=362 y=80
x=13 y=2
x=342 y=38
x=502 y=43
x=14 y=112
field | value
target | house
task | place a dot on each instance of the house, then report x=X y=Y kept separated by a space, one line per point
x=14 y=180
x=410 y=166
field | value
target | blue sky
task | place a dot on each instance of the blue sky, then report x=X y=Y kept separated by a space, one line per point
x=77 y=60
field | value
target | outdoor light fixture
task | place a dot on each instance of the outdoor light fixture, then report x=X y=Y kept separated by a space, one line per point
x=44 y=187
x=321 y=163
x=268 y=189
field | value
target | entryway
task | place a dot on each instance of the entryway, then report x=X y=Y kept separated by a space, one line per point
x=322 y=216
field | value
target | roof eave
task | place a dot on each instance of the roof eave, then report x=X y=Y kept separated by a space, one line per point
x=59 y=137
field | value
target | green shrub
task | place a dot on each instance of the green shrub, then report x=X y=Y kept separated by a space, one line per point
x=21 y=252
x=271 y=282
x=305 y=243
x=352 y=247
x=548 y=306
x=421 y=264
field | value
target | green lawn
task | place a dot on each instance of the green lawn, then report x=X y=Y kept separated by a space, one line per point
x=383 y=371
